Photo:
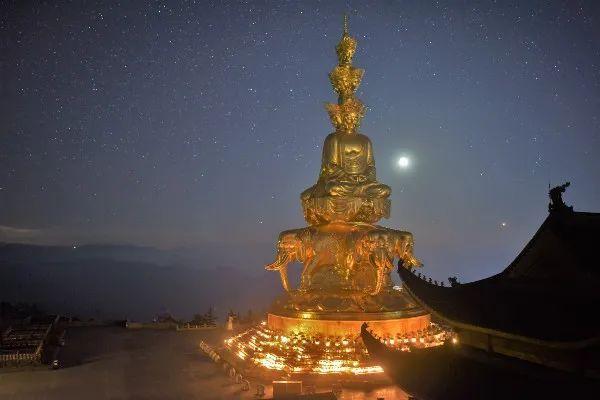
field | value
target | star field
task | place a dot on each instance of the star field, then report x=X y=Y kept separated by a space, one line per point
x=192 y=123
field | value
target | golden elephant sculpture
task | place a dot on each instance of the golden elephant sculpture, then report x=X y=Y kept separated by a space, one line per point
x=381 y=246
x=345 y=247
x=292 y=245
x=316 y=248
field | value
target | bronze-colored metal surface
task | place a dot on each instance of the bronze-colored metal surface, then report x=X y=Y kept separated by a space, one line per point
x=347 y=188
x=343 y=259
x=346 y=259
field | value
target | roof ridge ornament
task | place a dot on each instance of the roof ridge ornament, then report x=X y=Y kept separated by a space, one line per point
x=556 y=201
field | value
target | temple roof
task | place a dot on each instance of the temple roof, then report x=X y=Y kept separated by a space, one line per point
x=550 y=292
x=456 y=372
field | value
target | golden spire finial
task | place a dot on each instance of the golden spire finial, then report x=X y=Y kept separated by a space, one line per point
x=345 y=25
x=346 y=47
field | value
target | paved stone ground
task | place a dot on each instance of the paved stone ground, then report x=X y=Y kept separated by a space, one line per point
x=116 y=363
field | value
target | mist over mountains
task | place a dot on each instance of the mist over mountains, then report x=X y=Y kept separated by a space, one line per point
x=136 y=282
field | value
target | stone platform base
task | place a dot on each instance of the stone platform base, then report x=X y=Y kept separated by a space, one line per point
x=383 y=324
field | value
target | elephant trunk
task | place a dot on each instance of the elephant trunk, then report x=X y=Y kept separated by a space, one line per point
x=281 y=261
x=280 y=264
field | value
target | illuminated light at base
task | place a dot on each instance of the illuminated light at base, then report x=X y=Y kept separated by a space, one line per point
x=299 y=353
x=271 y=361
x=241 y=355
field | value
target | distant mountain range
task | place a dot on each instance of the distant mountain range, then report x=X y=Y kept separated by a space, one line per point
x=17 y=252
x=135 y=282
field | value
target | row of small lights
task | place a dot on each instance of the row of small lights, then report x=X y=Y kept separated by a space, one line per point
x=340 y=355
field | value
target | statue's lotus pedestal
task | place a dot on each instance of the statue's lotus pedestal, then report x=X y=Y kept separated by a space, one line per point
x=390 y=313
x=324 y=209
x=390 y=324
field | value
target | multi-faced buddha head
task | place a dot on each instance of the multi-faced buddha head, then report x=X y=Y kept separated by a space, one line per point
x=346 y=117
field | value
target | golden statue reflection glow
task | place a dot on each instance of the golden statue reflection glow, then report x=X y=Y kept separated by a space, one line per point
x=346 y=259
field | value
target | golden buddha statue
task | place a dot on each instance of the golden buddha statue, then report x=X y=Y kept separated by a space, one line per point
x=347 y=188
x=347 y=260
x=348 y=169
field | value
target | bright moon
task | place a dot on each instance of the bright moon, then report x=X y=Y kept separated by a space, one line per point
x=403 y=162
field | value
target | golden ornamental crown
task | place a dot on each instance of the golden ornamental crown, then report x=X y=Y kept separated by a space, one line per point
x=346 y=117
x=345 y=49
x=345 y=80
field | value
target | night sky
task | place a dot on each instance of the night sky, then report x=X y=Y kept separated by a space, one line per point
x=199 y=124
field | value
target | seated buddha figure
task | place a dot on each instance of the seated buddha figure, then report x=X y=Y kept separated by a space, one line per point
x=347 y=169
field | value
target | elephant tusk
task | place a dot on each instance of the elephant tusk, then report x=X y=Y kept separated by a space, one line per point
x=284 y=279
